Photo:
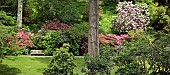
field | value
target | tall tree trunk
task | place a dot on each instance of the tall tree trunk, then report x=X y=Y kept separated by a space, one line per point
x=19 y=13
x=93 y=38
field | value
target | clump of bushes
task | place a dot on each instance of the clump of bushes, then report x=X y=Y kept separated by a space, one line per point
x=49 y=40
x=102 y=63
x=95 y=65
x=19 y=42
x=143 y=56
x=61 y=63
x=7 y=20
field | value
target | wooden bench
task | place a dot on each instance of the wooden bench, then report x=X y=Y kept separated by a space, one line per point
x=36 y=52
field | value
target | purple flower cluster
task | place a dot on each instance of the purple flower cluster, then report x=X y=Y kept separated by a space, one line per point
x=132 y=16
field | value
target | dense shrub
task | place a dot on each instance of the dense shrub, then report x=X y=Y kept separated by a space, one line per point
x=98 y=64
x=102 y=63
x=144 y=57
x=131 y=17
x=78 y=38
x=19 y=42
x=6 y=32
x=7 y=20
x=159 y=14
x=50 y=40
x=61 y=63
x=23 y=38
x=160 y=19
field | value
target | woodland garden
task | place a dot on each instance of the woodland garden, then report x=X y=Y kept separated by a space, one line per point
x=85 y=37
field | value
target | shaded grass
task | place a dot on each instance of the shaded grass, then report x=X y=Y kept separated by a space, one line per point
x=27 y=65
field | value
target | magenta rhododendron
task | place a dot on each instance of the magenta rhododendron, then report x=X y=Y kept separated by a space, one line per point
x=113 y=39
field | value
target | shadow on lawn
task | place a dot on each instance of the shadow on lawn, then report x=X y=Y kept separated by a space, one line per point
x=45 y=60
x=12 y=59
x=6 y=70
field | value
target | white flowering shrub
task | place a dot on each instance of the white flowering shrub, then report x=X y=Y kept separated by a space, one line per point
x=131 y=17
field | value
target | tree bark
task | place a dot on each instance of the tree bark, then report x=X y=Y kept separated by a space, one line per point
x=93 y=38
x=19 y=13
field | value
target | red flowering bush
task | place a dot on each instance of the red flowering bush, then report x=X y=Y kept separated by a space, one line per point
x=113 y=39
x=55 y=25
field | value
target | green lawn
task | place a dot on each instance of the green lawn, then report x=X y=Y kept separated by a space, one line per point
x=27 y=65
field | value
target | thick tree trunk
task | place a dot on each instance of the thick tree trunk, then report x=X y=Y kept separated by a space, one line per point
x=93 y=38
x=19 y=13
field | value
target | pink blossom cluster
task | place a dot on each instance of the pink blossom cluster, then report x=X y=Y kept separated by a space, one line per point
x=113 y=39
x=23 y=38
x=132 y=16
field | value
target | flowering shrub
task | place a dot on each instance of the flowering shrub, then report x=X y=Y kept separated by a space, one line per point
x=55 y=25
x=113 y=39
x=24 y=38
x=131 y=17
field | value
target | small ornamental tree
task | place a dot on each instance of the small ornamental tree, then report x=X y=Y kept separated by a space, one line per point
x=61 y=63
x=131 y=17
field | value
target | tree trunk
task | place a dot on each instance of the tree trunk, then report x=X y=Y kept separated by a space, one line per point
x=93 y=38
x=19 y=13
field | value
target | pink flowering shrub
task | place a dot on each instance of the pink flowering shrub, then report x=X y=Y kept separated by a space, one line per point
x=131 y=17
x=23 y=38
x=113 y=39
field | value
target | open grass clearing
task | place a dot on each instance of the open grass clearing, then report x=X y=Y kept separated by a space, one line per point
x=28 y=65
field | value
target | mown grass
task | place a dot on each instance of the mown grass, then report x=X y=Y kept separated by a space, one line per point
x=27 y=65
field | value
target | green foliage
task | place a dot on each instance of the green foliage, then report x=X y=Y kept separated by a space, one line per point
x=95 y=65
x=51 y=9
x=141 y=35
x=100 y=64
x=105 y=23
x=143 y=57
x=106 y=15
x=7 y=20
x=5 y=33
x=50 y=40
x=159 y=16
x=61 y=63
